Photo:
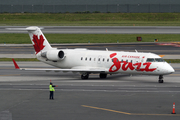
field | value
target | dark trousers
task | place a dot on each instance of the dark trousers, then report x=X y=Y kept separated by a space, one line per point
x=51 y=95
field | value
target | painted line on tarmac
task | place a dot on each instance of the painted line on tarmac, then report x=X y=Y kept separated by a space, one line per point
x=92 y=81
x=106 y=109
x=175 y=74
x=83 y=90
x=176 y=69
x=11 y=75
x=128 y=45
x=147 y=45
x=161 y=55
x=7 y=68
x=126 y=113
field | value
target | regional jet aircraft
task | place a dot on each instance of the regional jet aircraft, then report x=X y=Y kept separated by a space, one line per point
x=88 y=62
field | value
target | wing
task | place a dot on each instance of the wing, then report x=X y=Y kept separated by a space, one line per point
x=75 y=69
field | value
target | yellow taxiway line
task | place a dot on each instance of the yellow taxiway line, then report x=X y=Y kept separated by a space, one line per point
x=161 y=55
x=126 y=113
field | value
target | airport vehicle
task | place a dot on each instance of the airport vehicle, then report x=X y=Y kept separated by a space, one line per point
x=87 y=62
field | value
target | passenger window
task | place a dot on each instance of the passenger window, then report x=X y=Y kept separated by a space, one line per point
x=122 y=60
x=107 y=60
x=81 y=58
x=86 y=59
x=103 y=59
x=99 y=59
x=127 y=61
x=89 y=59
x=94 y=59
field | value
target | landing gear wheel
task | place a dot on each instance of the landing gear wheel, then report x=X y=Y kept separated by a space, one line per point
x=160 y=79
x=85 y=76
x=101 y=75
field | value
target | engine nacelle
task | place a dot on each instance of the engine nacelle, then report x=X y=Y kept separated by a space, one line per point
x=53 y=55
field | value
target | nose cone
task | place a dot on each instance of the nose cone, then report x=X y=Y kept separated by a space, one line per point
x=171 y=70
x=166 y=68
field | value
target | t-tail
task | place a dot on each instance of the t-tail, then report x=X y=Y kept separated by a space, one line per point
x=38 y=39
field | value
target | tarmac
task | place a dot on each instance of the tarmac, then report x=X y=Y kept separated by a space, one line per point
x=25 y=95
x=100 y=29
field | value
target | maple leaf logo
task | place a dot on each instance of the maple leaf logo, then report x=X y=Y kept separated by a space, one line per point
x=38 y=43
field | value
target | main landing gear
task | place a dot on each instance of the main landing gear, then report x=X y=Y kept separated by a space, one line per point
x=160 y=79
x=86 y=76
x=102 y=75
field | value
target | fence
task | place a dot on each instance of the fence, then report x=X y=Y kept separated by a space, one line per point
x=126 y=8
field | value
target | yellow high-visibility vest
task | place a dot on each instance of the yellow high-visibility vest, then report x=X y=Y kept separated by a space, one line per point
x=51 y=88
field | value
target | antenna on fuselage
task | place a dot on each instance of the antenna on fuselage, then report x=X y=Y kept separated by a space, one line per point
x=106 y=49
x=136 y=50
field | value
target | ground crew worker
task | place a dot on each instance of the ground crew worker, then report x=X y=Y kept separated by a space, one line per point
x=51 y=89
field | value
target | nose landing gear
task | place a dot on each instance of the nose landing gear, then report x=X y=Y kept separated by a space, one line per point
x=160 y=79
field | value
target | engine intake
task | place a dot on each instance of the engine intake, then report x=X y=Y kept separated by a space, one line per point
x=61 y=54
x=54 y=55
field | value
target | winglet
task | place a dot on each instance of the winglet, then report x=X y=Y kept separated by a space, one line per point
x=15 y=64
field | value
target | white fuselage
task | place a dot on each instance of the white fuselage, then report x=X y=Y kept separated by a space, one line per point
x=112 y=61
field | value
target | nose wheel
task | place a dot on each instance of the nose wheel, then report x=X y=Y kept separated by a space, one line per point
x=160 y=79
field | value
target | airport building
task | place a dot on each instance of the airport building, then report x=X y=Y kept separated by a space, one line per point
x=103 y=6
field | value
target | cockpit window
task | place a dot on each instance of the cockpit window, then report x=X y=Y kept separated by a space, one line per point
x=154 y=60
x=159 y=60
x=150 y=60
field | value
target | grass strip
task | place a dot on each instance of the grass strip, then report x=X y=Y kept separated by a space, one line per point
x=172 y=60
x=90 y=38
x=90 y=19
